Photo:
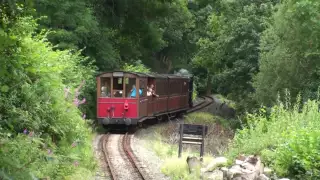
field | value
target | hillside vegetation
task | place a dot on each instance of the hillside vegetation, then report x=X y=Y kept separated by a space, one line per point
x=287 y=139
x=42 y=132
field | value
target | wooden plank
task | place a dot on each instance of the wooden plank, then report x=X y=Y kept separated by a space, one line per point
x=202 y=143
x=193 y=138
x=106 y=75
x=190 y=142
x=194 y=129
x=117 y=74
x=180 y=141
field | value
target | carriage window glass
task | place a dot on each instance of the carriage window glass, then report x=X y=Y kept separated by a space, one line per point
x=143 y=88
x=117 y=87
x=131 y=88
x=119 y=80
x=126 y=80
x=105 y=86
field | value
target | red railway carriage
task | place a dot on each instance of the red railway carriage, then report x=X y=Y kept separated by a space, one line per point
x=122 y=97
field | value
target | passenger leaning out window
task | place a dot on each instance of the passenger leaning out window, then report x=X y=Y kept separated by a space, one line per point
x=151 y=91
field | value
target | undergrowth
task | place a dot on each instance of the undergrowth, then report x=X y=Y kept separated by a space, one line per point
x=174 y=167
x=287 y=139
x=228 y=102
x=166 y=138
x=42 y=131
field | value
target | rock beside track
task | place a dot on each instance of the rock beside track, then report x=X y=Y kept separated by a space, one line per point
x=243 y=168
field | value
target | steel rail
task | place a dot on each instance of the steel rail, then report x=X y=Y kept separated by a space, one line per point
x=207 y=101
x=104 y=143
x=131 y=156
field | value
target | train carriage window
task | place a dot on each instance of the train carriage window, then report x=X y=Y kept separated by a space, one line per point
x=143 y=88
x=105 y=87
x=131 y=89
x=117 y=87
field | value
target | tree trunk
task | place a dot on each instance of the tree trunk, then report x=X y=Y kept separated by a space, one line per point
x=209 y=84
x=166 y=61
x=169 y=66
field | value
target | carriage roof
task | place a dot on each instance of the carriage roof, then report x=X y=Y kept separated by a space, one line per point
x=138 y=74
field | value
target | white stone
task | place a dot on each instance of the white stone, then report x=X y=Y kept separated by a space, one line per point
x=220 y=161
x=267 y=171
x=234 y=170
x=215 y=175
x=263 y=177
x=225 y=171
x=248 y=166
x=239 y=162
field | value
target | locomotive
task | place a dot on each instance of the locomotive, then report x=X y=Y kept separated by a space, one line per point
x=130 y=98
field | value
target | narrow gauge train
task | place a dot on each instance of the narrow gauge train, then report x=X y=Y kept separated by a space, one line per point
x=129 y=98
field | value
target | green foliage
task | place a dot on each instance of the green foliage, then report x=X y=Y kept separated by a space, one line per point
x=287 y=139
x=229 y=50
x=290 y=52
x=74 y=25
x=32 y=100
x=207 y=119
x=153 y=31
x=227 y=101
x=200 y=117
x=137 y=67
x=163 y=150
x=194 y=92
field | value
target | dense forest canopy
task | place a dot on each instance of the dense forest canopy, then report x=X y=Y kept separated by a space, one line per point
x=247 y=50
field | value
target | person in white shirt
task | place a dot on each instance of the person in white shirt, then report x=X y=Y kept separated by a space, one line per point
x=151 y=91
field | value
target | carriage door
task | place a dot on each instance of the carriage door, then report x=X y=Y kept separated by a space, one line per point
x=143 y=101
x=150 y=98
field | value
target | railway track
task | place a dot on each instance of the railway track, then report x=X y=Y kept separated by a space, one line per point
x=121 y=161
x=207 y=100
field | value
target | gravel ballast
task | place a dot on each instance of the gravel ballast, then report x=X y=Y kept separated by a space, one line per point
x=147 y=157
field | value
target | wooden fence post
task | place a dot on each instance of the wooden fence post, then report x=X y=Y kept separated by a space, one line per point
x=180 y=141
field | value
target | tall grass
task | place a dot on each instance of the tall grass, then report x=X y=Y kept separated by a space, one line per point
x=288 y=139
x=166 y=138
x=177 y=168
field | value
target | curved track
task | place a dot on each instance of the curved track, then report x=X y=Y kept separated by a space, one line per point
x=122 y=163
x=207 y=100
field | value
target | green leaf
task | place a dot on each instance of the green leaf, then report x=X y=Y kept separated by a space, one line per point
x=4 y=88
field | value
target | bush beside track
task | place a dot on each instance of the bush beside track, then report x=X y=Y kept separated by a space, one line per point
x=42 y=132
x=287 y=139
x=165 y=137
